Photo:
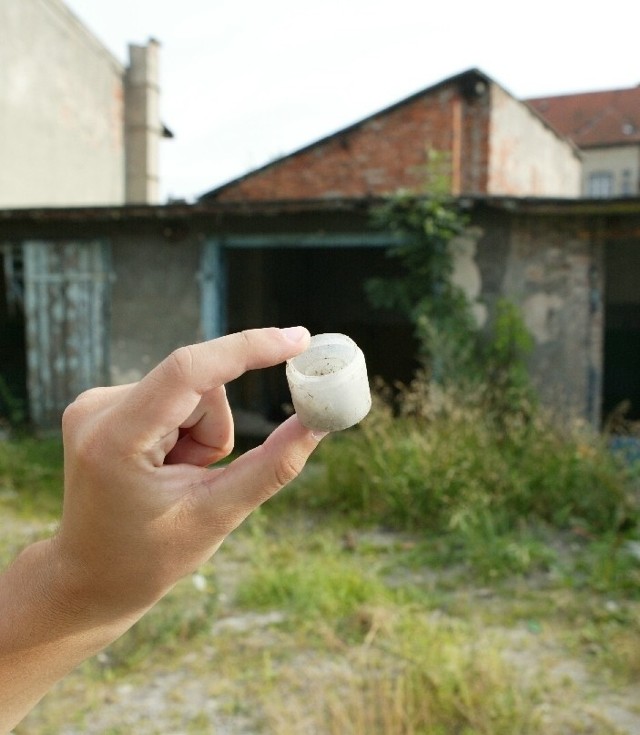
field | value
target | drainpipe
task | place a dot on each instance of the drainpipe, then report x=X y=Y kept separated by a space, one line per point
x=143 y=128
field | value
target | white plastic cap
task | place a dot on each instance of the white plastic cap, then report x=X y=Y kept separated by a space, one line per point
x=329 y=384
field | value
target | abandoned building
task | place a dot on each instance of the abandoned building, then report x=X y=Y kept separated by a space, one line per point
x=94 y=292
x=95 y=296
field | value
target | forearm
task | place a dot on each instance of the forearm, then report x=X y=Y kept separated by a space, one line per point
x=46 y=629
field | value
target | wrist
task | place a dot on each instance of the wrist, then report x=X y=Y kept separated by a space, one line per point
x=71 y=600
x=84 y=593
x=48 y=626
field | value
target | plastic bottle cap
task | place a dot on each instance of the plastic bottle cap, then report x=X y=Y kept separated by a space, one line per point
x=329 y=384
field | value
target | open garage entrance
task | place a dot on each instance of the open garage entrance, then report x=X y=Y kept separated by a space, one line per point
x=13 y=350
x=622 y=329
x=324 y=290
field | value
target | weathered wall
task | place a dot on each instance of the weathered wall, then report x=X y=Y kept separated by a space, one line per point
x=553 y=269
x=489 y=143
x=551 y=266
x=155 y=302
x=61 y=97
x=526 y=157
x=550 y=257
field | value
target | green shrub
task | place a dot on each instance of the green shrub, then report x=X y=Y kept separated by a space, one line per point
x=445 y=464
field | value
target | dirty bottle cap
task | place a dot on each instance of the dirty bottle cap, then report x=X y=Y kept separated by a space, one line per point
x=329 y=384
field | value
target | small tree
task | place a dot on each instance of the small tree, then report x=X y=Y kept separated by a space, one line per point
x=450 y=347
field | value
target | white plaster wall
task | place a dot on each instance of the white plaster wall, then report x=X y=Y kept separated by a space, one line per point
x=61 y=110
x=526 y=158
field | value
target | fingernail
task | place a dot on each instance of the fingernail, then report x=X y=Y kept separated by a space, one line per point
x=294 y=334
x=318 y=435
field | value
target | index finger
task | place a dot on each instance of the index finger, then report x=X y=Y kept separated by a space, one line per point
x=169 y=394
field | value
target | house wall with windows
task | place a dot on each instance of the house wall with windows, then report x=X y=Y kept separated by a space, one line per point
x=605 y=126
x=612 y=171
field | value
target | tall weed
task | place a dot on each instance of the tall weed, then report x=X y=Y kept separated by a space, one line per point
x=424 y=674
x=437 y=459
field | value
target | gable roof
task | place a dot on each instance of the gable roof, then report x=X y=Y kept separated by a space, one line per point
x=471 y=82
x=592 y=119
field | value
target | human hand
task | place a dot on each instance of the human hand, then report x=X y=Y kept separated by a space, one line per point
x=141 y=507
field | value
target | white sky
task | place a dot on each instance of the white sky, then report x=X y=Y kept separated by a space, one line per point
x=246 y=81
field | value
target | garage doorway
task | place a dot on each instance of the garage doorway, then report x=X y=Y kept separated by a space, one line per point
x=621 y=383
x=13 y=363
x=323 y=289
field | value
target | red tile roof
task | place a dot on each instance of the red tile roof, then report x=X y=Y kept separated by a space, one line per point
x=594 y=119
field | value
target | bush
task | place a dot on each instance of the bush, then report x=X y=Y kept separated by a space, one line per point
x=439 y=461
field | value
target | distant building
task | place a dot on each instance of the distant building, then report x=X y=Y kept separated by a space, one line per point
x=76 y=127
x=486 y=143
x=606 y=127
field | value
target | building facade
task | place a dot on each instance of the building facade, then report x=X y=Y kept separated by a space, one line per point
x=106 y=293
x=76 y=126
x=605 y=126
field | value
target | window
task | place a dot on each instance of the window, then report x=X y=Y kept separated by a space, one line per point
x=600 y=184
x=626 y=186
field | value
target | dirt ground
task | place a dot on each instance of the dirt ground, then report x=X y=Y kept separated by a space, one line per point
x=193 y=692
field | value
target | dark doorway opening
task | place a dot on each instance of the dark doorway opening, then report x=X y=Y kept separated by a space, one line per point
x=621 y=384
x=13 y=362
x=324 y=290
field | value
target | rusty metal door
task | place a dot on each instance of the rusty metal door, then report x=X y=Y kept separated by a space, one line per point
x=66 y=288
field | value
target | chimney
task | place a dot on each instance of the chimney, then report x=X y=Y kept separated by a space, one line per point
x=143 y=128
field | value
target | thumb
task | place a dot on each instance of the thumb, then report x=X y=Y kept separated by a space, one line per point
x=232 y=494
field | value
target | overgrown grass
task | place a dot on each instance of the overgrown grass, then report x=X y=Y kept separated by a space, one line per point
x=417 y=674
x=452 y=467
x=491 y=492
x=437 y=570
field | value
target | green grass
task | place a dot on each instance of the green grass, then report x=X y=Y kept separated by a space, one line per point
x=31 y=476
x=373 y=639
x=442 y=572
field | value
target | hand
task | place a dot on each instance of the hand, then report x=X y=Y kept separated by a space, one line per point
x=141 y=508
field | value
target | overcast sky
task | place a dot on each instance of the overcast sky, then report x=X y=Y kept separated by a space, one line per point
x=246 y=81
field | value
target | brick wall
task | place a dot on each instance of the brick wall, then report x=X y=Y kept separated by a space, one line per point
x=384 y=153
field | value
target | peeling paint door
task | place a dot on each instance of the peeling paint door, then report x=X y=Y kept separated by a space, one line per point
x=66 y=288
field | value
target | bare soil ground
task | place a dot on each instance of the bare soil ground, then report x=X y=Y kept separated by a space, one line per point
x=207 y=685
